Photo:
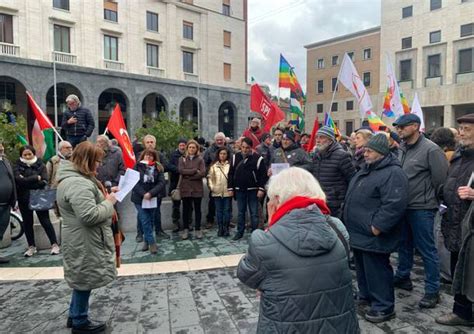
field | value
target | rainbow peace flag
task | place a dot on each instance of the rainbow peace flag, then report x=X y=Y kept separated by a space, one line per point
x=328 y=121
x=374 y=121
x=387 y=108
x=406 y=107
x=288 y=79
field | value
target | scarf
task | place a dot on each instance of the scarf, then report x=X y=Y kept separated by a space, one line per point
x=29 y=162
x=148 y=163
x=298 y=202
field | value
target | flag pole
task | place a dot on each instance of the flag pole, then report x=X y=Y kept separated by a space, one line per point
x=335 y=87
x=55 y=103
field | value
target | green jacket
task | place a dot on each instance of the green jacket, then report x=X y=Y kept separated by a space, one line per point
x=87 y=240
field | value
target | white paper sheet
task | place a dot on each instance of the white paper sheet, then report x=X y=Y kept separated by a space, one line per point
x=126 y=183
x=277 y=168
x=150 y=203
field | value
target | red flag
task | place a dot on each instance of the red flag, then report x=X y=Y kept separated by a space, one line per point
x=261 y=104
x=312 y=139
x=116 y=127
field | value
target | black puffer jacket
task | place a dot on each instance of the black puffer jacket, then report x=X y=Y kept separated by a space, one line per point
x=333 y=169
x=151 y=180
x=26 y=178
x=248 y=173
x=301 y=269
x=462 y=165
x=84 y=125
x=377 y=196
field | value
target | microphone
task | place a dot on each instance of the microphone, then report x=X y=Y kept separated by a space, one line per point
x=108 y=186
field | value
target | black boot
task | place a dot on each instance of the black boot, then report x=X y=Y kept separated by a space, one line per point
x=220 y=231
x=89 y=327
x=226 y=230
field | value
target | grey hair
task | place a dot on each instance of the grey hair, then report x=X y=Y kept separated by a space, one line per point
x=292 y=182
x=104 y=137
x=219 y=134
x=62 y=143
x=73 y=97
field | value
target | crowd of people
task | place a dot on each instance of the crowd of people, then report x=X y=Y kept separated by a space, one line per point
x=348 y=203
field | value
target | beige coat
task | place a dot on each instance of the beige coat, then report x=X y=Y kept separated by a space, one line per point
x=217 y=179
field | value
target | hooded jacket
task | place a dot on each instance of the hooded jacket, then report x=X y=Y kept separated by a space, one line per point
x=300 y=266
x=377 y=196
x=87 y=241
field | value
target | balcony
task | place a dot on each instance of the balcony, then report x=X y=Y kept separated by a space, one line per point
x=114 y=65
x=191 y=77
x=406 y=84
x=433 y=81
x=465 y=77
x=156 y=72
x=66 y=58
x=7 y=49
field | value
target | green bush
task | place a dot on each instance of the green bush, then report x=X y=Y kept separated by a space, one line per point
x=9 y=135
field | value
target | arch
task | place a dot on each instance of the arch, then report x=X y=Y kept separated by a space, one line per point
x=153 y=104
x=188 y=111
x=227 y=114
x=13 y=96
x=106 y=104
x=63 y=90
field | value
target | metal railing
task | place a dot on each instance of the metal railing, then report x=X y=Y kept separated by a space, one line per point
x=62 y=57
x=7 y=49
x=114 y=65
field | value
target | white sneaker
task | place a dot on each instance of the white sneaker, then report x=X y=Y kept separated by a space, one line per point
x=30 y=251
x=54 y=249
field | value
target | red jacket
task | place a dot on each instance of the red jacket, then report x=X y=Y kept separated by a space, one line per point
x=255 y=136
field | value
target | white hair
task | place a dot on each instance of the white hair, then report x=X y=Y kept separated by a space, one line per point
x=292 y=182
x=63 y=143
x=73 y=97
x=219 y=135
x=104 y=138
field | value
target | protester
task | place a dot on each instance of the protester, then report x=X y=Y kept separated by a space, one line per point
x=77 y=121
x=7 y=195
x=373 y=211
x=254 y=132
x=217 y=182
x=152 y=184
x=277 y=137
x=361 y=139
x=30 y=173
x=174 y=180
x=458 y=196
x=112 y=166
x=426 y=168
x=333 y=168
x=88 y=243
x=444 y=138
x=137 y=146
x=247 y=179
x=290 y=153
x=304 y=140
x=264 y=149
x=64 y=154
x=299 y=266
x=192 y=170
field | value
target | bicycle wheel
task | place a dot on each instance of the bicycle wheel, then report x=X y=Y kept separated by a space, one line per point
x=16 y=227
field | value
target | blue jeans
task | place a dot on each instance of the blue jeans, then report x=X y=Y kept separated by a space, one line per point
x=244 y=199
x=222 y=210
x=76 y=140
x=417 y=231
x=146 y=218
x=156 y=221
x=79 y=308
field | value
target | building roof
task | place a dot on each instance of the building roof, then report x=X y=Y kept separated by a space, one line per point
x=343 y=37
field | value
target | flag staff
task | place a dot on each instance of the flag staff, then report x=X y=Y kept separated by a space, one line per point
x=55 y=90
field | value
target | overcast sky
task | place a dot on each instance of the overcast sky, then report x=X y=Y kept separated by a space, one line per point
x=285 y=26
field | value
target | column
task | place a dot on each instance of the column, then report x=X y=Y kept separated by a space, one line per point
x=449 y=116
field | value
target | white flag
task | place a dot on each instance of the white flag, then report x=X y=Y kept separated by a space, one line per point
x=416 y=109
x=392 y=88
x=349 y=77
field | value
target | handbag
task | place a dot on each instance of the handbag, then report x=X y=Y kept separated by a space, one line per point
x=42 y=199
x=176 y=193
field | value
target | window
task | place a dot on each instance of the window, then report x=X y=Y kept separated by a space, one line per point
x=151 y=21
x=435 y=36
x=320 y=86
x=227 y=39
x=152 y=55
x=320 y=63
x=333 y=84
x=407 y=12
x=435 y=4
x=434 y=66
x=61 y=39
x=351 y=55
x=110 y=11
x=319 y=108
x=6 y=29
x=8 y=91
x=467 y=29
x=188 y=66
x=366 y=78
x=406 y=43
x=367 y=54
x=349 y=105
x=405 y=70
x=227 y=72
x=335 y=60
x=226 y=7
x=349 y=127
x=334 y=106
x=61 y=4
x=187 y=30
x=466 y=60
x=110 y=48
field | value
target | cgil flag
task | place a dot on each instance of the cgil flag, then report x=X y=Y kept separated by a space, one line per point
x=261 y=104
x=349 y=77
x=287 y=79
x=416 y=109
x=116 y=126
x=392 y=105
x=40 y=130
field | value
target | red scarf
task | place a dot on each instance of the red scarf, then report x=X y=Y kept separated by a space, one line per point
x=298 y=202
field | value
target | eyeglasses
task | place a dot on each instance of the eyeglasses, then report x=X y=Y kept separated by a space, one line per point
x=401 y=127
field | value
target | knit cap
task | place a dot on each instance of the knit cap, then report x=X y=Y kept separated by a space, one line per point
x=379 y=143
x=327 y=131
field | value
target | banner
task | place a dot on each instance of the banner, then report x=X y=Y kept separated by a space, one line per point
x=116 y=126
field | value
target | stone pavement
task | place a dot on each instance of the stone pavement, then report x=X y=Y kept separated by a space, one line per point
x=195 y=301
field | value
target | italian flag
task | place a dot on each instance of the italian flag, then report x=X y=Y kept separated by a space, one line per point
x=41 y=133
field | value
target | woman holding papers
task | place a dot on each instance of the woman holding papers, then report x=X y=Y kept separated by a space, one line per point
x=147 y=195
